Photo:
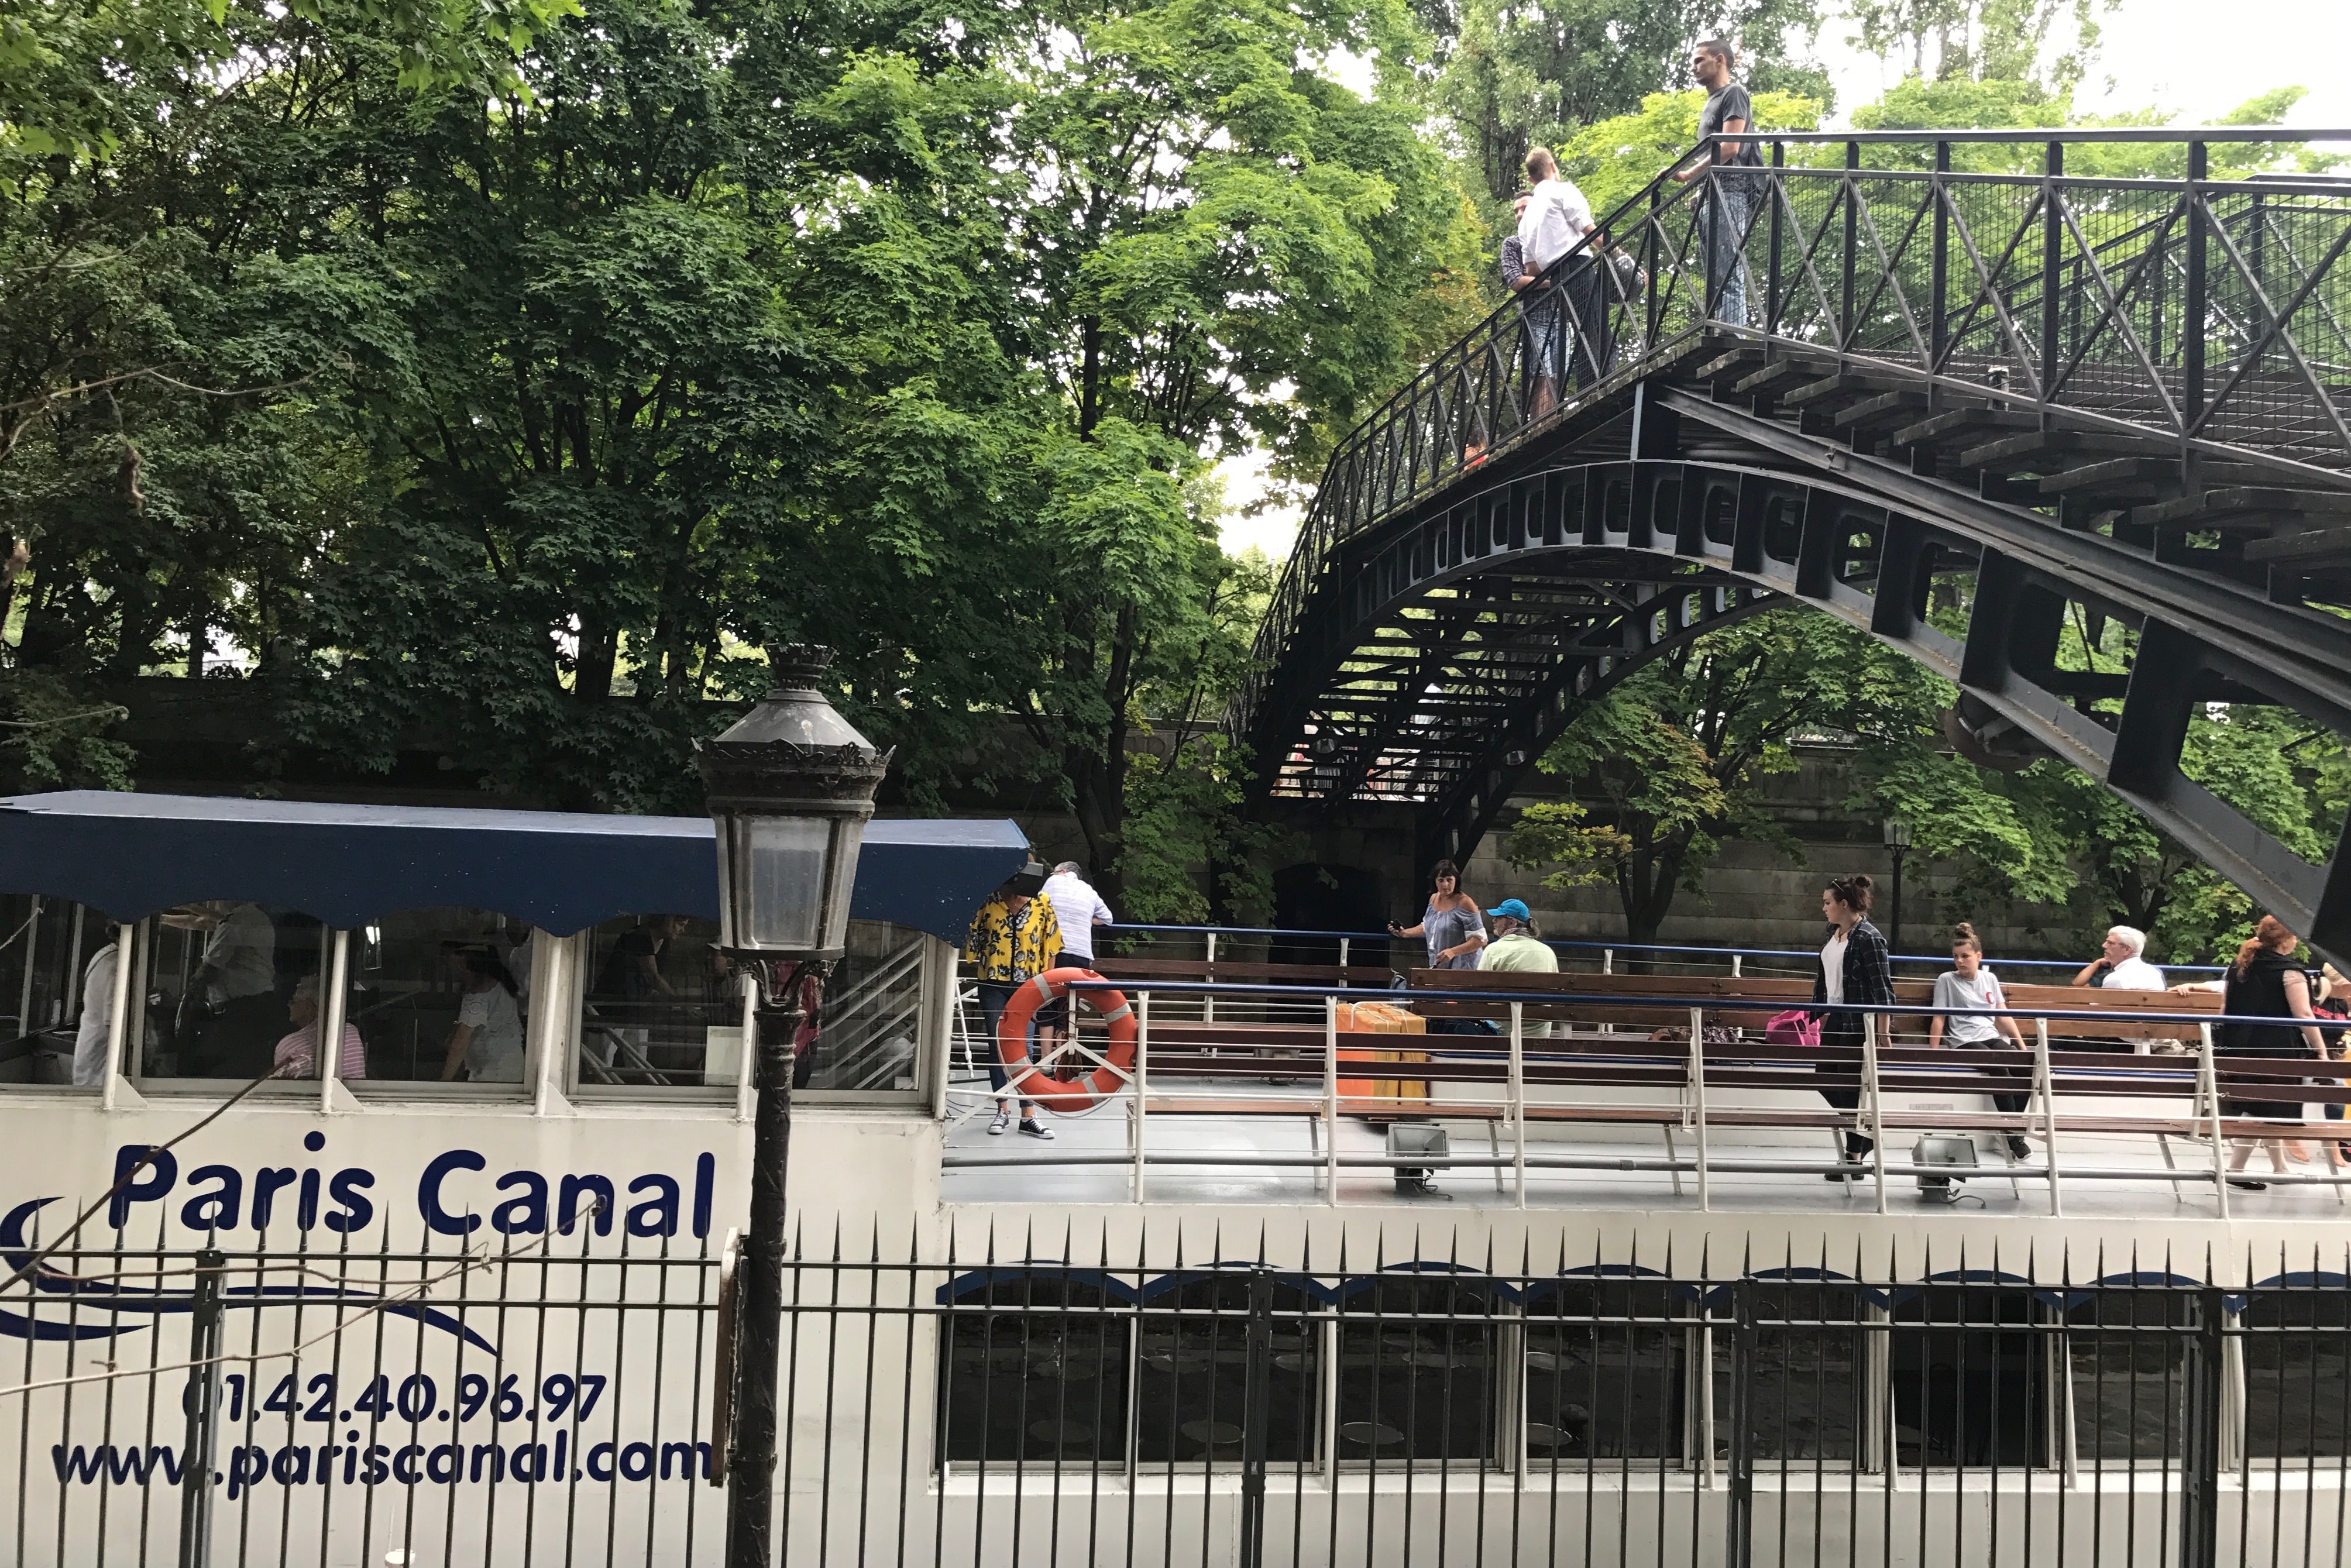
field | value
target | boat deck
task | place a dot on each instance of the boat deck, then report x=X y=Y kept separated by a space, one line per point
x=1206 y=1159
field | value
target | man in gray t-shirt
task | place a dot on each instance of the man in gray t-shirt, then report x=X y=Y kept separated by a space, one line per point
x=1724 y=211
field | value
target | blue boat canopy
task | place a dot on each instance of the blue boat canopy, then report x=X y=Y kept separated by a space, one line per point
x=134 y=856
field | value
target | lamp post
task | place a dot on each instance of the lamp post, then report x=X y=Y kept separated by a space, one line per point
x=790 y=789
x=1898 y=839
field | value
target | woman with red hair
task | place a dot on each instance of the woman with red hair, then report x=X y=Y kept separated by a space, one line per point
x=2265 y=982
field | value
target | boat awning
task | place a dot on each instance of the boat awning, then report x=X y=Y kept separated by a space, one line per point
x=132 y=855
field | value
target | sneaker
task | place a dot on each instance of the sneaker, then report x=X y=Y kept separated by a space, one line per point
x=1034 y=1128
x=1003 y=1120
x=2245 y=1186
x=2018 y=1148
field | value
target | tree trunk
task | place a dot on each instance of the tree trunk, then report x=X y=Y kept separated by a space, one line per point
x=591 y=679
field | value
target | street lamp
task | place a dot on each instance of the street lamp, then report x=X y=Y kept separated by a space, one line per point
x=1898 y=839
x=790 y=789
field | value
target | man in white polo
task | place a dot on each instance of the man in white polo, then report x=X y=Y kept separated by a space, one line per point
x=1079 y=909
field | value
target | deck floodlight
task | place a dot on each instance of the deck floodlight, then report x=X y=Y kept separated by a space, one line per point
x=1423 y=1141
x=790 y=788
x=1940 y=1154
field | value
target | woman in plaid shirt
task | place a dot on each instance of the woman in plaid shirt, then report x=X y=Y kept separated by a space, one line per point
x=1855 y=968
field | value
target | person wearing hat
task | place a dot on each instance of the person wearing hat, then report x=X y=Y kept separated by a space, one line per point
x=1514 y=949
x=1013 y=937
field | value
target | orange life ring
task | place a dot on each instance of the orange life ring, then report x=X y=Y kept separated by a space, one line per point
x=1041 y=1084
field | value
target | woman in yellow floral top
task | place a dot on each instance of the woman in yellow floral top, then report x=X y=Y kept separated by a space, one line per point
x=1014 y=938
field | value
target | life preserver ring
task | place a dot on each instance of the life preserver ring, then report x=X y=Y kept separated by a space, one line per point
x=1042 y=1084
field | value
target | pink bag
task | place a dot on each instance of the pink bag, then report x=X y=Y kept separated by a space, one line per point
x=1794 y=1026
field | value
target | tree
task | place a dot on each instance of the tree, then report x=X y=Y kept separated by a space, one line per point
x=1673 y=758
x=1523 y=74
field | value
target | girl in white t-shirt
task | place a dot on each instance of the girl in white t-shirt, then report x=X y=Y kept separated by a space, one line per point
x=486 y=1041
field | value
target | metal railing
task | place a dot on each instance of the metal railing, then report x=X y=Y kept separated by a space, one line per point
x=1250 y=1408
x=2209 y=313
x=2080 y=1079
x=1374 y=946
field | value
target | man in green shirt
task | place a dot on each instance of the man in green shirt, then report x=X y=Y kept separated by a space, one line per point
x=1513 y=950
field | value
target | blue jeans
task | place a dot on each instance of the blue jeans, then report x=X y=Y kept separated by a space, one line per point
x=1722 y=216
x=994 y=996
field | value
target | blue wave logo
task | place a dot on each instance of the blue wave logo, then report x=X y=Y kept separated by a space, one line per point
x=102 y=1296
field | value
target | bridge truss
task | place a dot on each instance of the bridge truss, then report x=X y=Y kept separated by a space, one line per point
x=2029 y=392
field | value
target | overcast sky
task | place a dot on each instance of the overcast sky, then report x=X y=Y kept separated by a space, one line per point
x=2199 y=58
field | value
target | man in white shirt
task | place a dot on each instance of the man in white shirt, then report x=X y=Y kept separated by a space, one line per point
x=1556 y=219
x=1078 y=909
x=2122 y=963
x=96 y=1031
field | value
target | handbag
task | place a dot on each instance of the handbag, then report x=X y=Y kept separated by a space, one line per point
x=1794 y=1026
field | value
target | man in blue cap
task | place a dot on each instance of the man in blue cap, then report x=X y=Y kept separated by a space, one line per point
x=1514 y=949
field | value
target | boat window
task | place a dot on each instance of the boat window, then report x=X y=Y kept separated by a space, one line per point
x=1191 y=1357
x=416 y=975
x=2130 y=1386
x=663 y=1011
x=1420 y=1386
x=218 y=992
x=1805 y=1389
x=1035 y=1371
x=1606 y=1361
x=1970 y=1379
x=663 y=1007
x=47 y=948
x=2297 y=1360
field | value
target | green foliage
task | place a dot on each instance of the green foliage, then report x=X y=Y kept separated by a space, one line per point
x=513 y=414
x=1523 y=75
x=1555 y=834
x=1673 y=757
x=2047 y=41
x=1615 y=160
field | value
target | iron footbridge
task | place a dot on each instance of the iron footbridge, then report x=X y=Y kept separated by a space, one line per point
x=1956 y=402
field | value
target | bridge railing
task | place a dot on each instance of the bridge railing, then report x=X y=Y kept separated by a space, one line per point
x=2215 y=313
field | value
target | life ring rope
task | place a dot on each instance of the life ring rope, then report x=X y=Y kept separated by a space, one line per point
x=1030 y=1080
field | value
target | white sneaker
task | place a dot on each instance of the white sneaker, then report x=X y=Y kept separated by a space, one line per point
x=1003 y=1120
x=1035 y=1128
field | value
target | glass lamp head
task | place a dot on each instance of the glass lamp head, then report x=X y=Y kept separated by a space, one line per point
x=790 y=788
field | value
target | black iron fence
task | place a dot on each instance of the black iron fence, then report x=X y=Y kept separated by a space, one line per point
x=551 y=1405
x=453 y=1402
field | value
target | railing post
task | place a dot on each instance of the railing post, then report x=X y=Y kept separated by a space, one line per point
x=1209 y=999
x=1256 y=1408
x=2200 y=1470
x=1608 y=960
x=1331 y=1098
x=1778 y=194
x=1519 y=1096
x=1698 y=1101
x=2052 y=239
x=2208 y=1088
x=2192 y=309
x=1846 y=317
x=1741 y=1544
x=1141 y=1084
x=201 y=1401
x=1939 y=192
x=2046 y=1082
x=1875 y=1113
x=1343 y=952
x=1734 y=965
